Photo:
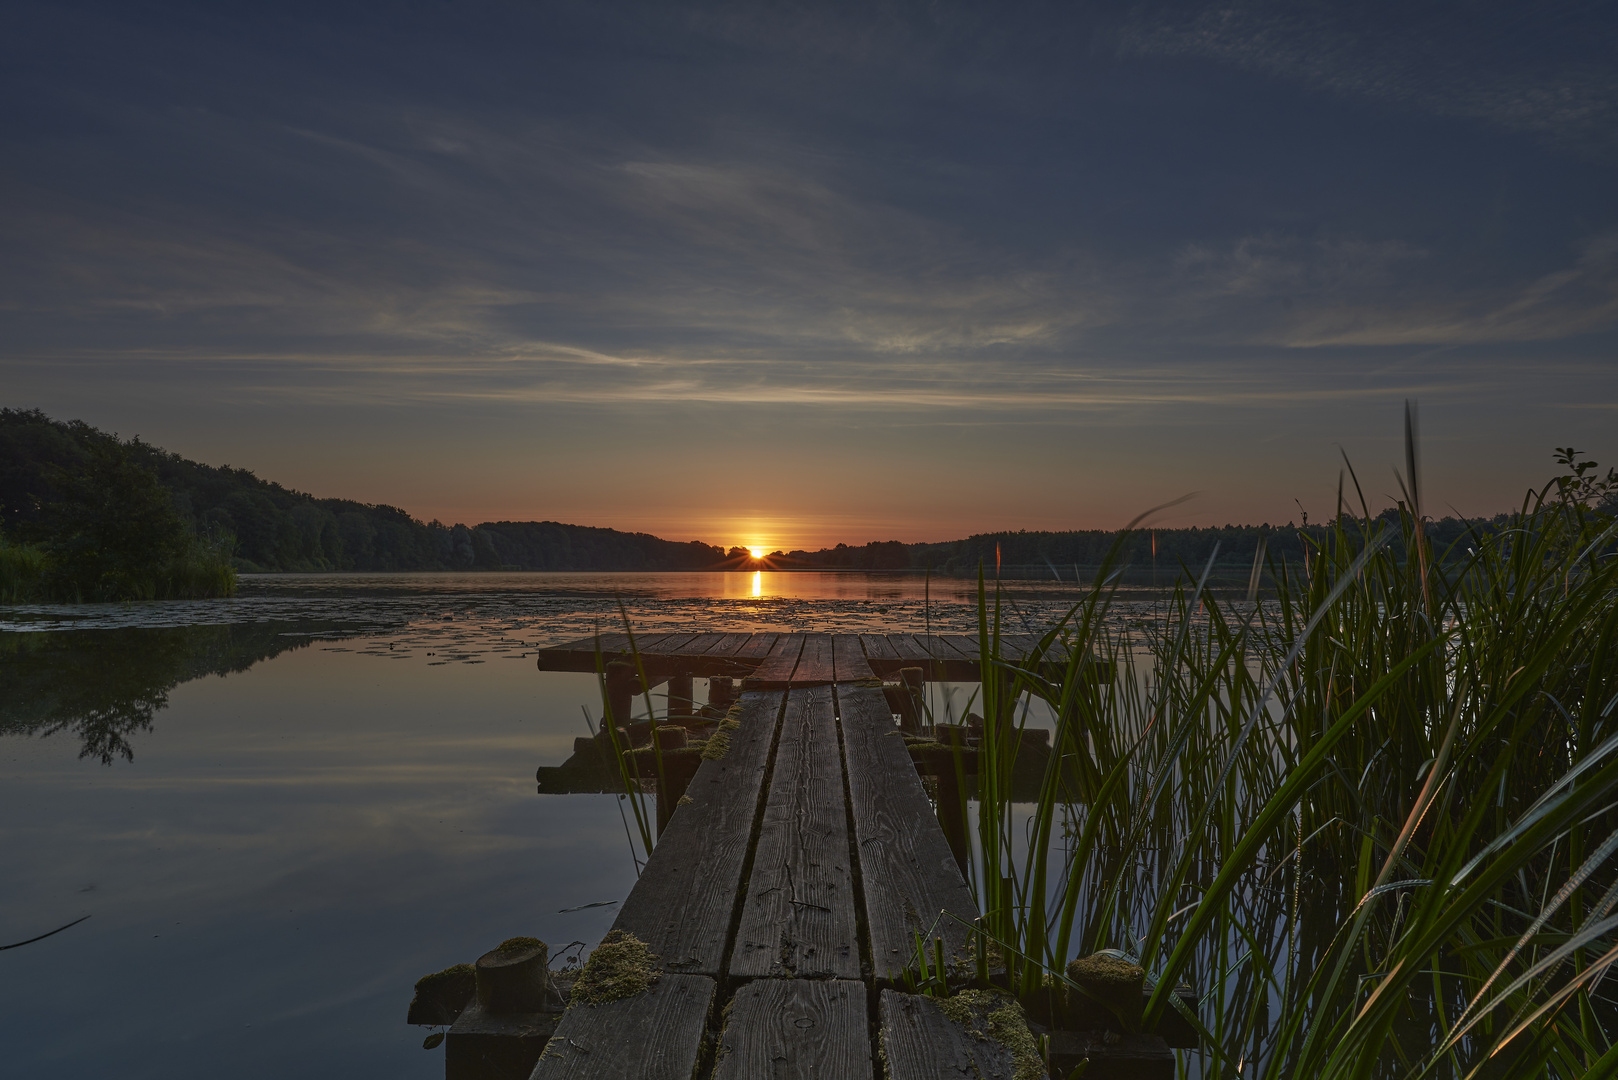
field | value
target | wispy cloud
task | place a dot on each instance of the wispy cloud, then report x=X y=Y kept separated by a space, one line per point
x=1545 y=71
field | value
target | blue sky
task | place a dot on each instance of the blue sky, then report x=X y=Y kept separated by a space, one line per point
x=803 y=273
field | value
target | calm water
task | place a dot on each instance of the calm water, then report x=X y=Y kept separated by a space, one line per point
x=279 y=810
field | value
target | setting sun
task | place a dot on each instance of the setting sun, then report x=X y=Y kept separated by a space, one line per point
x=758 y=552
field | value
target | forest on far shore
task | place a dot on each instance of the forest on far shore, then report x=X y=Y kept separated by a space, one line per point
x=87 y=515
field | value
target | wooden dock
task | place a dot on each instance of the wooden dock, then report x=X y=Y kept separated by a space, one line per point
x=786 y=893
x=779 y=660
x=791 y=880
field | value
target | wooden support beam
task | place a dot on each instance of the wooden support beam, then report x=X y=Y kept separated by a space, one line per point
x=622 y=685
x=679 y=700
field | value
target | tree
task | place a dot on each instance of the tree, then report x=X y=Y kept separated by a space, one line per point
x=113 y=532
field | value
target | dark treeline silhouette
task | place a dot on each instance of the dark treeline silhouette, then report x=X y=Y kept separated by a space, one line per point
x=266 y=526
x=1233 y=549
x=52 y=470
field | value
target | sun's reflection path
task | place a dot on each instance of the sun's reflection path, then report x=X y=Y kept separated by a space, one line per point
x=758 y=583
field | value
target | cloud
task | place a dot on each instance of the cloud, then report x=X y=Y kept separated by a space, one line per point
x=408 y=251
x=1542 y=71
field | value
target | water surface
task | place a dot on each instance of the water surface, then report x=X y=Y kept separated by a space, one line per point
x=280 y=809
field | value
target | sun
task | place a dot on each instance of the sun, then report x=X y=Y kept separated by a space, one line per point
x=757 y=552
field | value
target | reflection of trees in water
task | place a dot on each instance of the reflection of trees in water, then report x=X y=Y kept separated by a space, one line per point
x=106 y=685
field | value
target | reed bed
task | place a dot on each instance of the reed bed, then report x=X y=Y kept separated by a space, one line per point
x=1370 y=815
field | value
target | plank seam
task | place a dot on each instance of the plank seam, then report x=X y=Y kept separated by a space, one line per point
x=726 y=987
x=856 y=875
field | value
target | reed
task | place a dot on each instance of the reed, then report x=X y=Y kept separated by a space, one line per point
x=1369 y=815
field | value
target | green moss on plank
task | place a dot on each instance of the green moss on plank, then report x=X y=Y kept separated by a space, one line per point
x=449 y=974
x=988 y=1015
x=718 y=743
x=622 y=966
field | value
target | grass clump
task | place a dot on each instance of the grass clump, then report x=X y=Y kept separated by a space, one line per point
x=988 y=1015
x=621 y=966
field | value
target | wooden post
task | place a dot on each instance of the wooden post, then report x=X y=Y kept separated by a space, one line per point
x=952 y=814
x=678 y=769
x=942 y=765
x=721 y=692
x=622 y=685
x=516 y=979
x=680 y=704
x=910 y=712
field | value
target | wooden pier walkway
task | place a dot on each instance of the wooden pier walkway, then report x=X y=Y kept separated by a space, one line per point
x=792 y=877
x=787 y=890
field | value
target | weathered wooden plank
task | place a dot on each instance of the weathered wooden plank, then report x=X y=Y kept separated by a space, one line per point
x=908 y=871
x=920 y=1043
x=942 y=660
x=757 y=647
x=702 y=644
x=848 y=658
x=795 y=1029
x=798 y=919
x=580 y=655
x=775 y=673
x=727 y=645
x=877 y=647
x=684 y=901
x=655 y=1035
x=910 y=647
x=815 y=662
x=964 y=644
x=667 y=644
x=923 y=645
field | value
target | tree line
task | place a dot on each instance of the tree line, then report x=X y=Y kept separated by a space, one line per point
x=85 y=515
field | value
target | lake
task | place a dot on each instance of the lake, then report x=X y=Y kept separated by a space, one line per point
x=281 y=809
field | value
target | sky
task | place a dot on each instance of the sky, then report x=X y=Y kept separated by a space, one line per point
x=795 y=274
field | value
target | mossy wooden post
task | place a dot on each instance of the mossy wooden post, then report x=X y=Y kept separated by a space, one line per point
x=673 y=777
x=680 y=694
x=1113 y=993
x=622 y=685
x=515 y=978
x=507 y=1023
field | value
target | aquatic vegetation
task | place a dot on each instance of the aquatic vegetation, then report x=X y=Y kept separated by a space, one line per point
x=1369 y=815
